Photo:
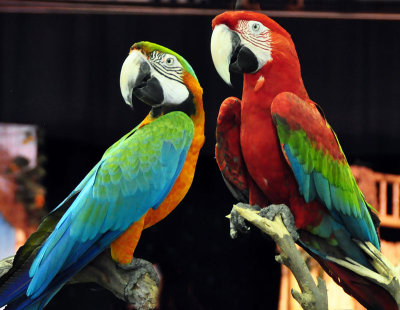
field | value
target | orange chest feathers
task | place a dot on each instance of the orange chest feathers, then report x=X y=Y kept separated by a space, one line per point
x=182 y=183
x=123 y=247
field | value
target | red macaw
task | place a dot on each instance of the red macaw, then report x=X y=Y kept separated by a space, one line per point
x=275 y=146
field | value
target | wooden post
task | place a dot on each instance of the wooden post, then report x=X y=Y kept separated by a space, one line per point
x=383 y=198
x=395 y=200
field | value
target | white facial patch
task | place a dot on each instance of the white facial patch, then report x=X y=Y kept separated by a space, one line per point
x=174 y=92
x=168 y=71
x=256 y=37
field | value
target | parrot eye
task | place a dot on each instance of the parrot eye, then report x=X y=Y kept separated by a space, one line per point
x=169 y=61
x=255 y=27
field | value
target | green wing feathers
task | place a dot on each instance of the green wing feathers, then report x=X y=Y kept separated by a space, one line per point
x=143 y=162
x=313 y=152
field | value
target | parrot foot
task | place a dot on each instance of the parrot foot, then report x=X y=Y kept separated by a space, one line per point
x=288 y=219
x=237 y=222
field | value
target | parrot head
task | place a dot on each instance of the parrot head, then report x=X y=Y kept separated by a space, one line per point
x=160 y=78
x=246 y=42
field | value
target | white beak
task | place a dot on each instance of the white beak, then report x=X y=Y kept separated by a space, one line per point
x=221 y=51
x=130 y=72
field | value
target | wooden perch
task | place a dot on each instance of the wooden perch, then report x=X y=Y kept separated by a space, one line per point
x=312 y=296
x=137 y=283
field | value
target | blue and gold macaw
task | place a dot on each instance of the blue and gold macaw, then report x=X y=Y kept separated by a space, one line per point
x=138 y=181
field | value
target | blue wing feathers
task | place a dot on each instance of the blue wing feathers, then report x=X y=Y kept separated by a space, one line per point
x=89 y=253
x=313 y=191
x=322 y=186
x=15 y=287
x=48 y=246
x=115 y=194
x=164 y=192
x=306 y=187
x=296 y=167
x=49 y=262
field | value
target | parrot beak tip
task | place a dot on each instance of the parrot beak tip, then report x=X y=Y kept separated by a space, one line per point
x=129 y=103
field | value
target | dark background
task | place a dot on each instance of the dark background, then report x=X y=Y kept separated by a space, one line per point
x=61 y=72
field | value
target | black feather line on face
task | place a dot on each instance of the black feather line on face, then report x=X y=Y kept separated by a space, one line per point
x=168 y=74
x=172 y=73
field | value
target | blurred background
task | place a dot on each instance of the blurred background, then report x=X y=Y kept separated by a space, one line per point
x=59 y=72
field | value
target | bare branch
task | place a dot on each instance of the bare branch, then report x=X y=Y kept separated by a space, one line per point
x=137 y=283
x=312 y=296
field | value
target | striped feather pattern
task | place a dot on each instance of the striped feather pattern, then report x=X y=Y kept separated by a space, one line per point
x=167 y=65
x=261 y=40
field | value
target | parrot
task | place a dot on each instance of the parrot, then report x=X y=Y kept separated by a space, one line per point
x=139 y=180
x=275 y=146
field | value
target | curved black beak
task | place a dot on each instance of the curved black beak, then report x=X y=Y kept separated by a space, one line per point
x=243 y=60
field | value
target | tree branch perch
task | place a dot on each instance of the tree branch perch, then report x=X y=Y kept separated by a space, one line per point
x=312 y=296
x=137 y=283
